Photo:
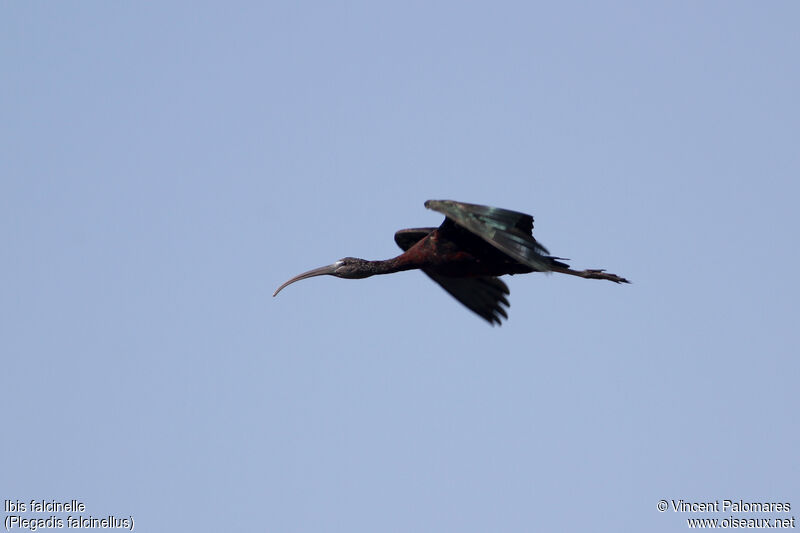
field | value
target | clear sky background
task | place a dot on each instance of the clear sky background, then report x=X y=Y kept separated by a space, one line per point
x=165 y=166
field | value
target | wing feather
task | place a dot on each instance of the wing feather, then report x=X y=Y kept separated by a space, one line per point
x=508 y=231
x=484 y=295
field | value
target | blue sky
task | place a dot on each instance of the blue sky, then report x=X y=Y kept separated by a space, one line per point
x=166 y=166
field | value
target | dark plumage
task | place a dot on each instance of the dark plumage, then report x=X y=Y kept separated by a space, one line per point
x=465 y=255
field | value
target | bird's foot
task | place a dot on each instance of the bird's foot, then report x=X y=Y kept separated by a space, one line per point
x=602 y=274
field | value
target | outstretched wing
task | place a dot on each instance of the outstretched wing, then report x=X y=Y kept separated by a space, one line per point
x=485 y=295
x=508 y=231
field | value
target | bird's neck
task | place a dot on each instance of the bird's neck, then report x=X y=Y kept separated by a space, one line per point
x=396 y=264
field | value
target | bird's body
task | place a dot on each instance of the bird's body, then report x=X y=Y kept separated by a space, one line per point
x=450 y=250
x=465 y=255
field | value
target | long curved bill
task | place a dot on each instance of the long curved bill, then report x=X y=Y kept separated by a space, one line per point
x=321 y=271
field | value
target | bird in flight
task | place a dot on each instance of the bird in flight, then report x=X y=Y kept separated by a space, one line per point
x=465 y=255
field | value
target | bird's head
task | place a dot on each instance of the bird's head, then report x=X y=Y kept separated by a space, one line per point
x=347 y=268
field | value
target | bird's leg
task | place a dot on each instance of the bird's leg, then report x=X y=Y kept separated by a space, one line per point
x=590 y=274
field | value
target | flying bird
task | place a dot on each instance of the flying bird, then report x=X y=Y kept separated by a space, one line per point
x=465 y=255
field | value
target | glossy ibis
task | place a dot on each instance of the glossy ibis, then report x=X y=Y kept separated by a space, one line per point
x=464 y=255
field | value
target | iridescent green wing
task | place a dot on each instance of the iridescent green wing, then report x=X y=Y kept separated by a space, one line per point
x=508 y=231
